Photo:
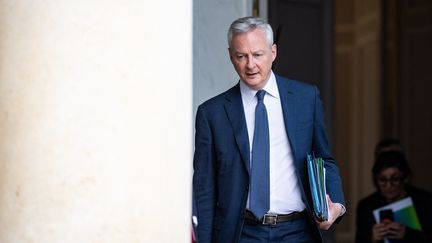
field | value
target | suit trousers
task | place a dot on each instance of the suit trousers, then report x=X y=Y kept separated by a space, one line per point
x=298 y=230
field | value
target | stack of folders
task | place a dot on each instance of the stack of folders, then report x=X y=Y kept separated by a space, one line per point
x=317 y=180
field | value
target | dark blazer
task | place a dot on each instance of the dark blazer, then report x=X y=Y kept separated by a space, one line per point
x=221 y=159
x=422 y=201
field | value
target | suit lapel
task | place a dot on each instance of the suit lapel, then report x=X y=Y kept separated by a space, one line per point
x=289 y=110
x=235 y=112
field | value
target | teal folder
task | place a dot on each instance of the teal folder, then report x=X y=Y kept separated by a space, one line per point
x=316 y=172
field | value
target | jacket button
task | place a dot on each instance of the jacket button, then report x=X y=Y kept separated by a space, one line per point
x=247 y=188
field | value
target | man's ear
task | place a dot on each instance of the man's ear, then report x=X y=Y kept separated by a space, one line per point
x=274 y=51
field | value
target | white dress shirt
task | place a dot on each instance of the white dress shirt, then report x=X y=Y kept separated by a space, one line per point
x=285 y=196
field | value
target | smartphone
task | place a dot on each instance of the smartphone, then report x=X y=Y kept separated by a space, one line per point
x=386 y=214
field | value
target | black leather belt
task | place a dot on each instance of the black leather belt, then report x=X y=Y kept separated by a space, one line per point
x=273 y=219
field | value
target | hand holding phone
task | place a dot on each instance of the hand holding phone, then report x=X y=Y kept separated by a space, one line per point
x=386 y=215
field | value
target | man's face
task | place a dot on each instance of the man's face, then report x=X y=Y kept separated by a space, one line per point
x=252 y=57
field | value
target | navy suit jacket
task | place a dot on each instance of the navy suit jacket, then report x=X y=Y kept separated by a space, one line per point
x=221 y=159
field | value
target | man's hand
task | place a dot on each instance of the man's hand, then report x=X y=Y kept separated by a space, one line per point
x=335 y=210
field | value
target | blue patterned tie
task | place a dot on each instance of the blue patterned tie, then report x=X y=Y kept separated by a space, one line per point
x=260 y=184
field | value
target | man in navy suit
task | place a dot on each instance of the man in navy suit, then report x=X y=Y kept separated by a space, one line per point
x=224 y=160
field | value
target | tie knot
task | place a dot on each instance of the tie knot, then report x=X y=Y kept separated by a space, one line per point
x=260 y=94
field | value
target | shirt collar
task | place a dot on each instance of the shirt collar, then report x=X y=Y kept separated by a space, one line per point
x=270 y=87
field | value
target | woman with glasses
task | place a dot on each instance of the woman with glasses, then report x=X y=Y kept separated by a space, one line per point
x=391 y=176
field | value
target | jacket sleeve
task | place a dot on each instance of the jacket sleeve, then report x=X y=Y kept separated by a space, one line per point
x=204 y=177
x=322 y=149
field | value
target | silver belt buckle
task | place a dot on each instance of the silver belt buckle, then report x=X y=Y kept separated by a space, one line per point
x=269 y=219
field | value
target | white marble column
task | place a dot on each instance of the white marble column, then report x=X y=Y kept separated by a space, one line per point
x=95 y=121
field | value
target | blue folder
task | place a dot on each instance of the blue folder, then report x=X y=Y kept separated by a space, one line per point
x=316 y=172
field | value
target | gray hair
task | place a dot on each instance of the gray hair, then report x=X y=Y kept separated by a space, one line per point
x=246 y=24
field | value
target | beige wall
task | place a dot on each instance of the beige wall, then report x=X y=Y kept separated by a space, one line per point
x=95 y=121
x=357 y=84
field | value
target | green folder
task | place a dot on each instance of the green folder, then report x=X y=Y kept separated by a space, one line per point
x=403 y=211
x=316 y=172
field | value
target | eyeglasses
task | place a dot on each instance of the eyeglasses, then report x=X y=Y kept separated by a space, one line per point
x=394 y=180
